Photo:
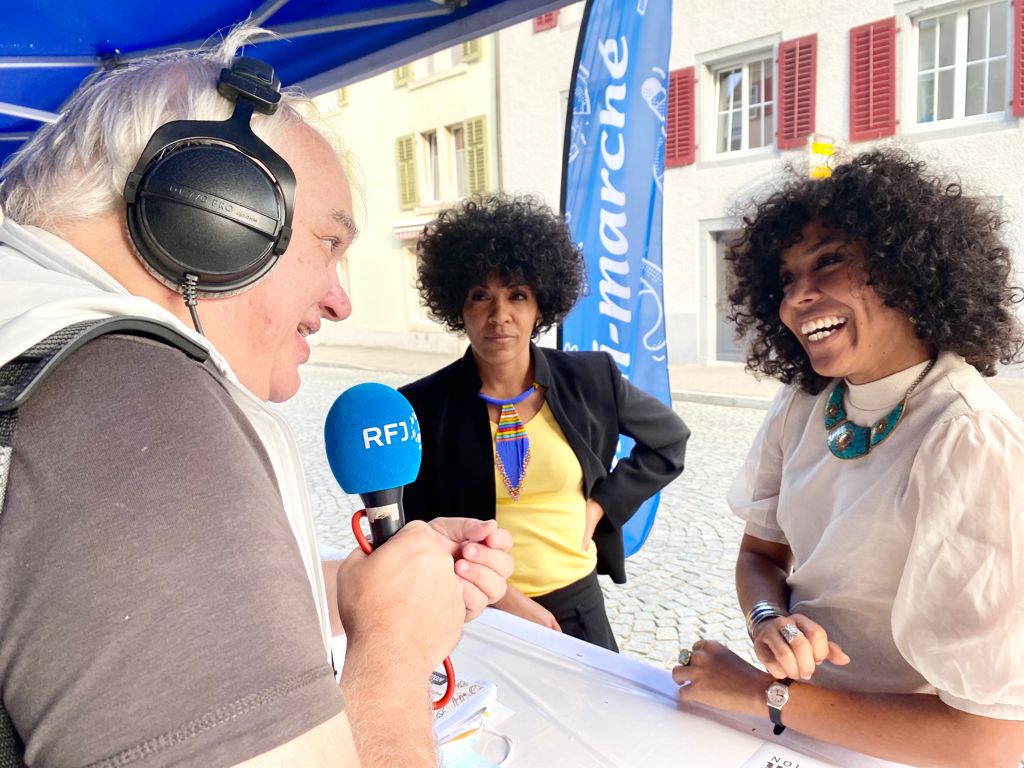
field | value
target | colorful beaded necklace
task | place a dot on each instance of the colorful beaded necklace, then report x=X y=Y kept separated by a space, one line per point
x=511 y=443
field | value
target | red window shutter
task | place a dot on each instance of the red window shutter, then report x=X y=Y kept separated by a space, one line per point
x=680 y=144
x=798 y=61
x=873 y=80
x=1018 y=58
x=545 y=21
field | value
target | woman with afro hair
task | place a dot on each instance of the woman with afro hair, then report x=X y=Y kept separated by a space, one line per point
x=882 y=564
x=525 y=434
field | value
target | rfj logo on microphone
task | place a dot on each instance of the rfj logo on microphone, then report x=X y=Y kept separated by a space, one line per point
x=372 y=438
x=392 y=432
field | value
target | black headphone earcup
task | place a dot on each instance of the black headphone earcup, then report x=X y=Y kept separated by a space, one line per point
x=208 y=210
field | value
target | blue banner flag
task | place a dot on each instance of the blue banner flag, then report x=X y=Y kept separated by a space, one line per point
x=612 y=197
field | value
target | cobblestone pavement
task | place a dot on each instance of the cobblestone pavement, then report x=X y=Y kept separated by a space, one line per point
x=680 y=585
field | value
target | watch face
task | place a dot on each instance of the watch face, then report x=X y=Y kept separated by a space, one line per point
x=778 y=694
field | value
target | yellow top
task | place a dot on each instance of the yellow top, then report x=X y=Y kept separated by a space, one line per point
x=547 y=522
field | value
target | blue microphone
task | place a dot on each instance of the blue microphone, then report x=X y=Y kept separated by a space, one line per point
x=374 y=449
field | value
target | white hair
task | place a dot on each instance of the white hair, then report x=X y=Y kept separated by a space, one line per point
x=76 y=167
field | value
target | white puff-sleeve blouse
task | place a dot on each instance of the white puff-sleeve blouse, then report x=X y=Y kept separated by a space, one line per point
x=912 y=557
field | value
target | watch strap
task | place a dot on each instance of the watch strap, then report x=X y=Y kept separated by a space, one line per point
x=775 y=713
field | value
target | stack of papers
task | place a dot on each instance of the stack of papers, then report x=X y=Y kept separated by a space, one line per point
x=465 y=713
x=459 y=725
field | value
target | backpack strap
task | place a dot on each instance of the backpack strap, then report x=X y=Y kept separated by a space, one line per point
x=20 y=377
x=12 y=751
x=18 y=380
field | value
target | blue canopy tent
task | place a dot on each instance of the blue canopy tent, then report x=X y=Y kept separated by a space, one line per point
x=48 y=47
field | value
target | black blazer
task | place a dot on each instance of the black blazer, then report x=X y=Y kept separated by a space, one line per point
x=592 y=404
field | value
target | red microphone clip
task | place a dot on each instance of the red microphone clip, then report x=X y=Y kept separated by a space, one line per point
x=449 y=670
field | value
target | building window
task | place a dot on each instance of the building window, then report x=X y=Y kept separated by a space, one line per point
x=1018 y=60
x=442 y=62
x=477 y=181
x=431 y=172
x=745 y=106
x=873 y=80
x=457 y=158
x=760 y=97
x=680 y=146
x=962 y=63
x=332 y=101
x=443 y=164
x=468 y=52
x=405 y=161
x=545 y=21
x=727 y=346
x=798 y=89
x=424 y=68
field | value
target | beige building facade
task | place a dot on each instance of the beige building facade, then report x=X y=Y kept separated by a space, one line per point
x=754 y=86
x=422 y=137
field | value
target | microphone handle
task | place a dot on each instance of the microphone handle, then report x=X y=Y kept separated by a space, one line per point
x=386 y=516
x=385 y=512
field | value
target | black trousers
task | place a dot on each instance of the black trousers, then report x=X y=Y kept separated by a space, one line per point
x=579 y=610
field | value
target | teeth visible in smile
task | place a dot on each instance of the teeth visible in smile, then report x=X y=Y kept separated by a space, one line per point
x=823 y=327
x=304 y=331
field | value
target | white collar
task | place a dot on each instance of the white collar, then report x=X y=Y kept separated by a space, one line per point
x=885 y=393
x=54 y=253
x=47 y=284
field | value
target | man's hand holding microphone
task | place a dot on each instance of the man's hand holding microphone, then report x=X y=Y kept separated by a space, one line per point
x=403 y=606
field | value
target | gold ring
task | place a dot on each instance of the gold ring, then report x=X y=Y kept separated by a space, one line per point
x=685 y=657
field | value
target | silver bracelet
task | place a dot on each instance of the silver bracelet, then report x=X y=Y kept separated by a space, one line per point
x=760 y=611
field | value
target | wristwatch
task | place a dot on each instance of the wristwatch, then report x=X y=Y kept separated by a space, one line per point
x=777 y=695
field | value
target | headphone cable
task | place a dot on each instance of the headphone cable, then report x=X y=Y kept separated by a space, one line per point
x=188 y=292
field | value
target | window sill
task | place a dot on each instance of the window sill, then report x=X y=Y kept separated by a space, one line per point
x=960 y=128
x=432 y=207
x=726 y=159
x=423 y=82
x=428 y=208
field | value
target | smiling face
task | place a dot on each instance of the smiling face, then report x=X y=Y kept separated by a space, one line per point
x=262 y=332
x=829 y=305
x=499 y=320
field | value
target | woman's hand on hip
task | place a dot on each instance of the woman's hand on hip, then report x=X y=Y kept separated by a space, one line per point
x=795 y=654
x=594 y=512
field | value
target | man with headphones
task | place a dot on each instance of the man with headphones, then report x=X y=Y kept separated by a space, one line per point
x=161 y=601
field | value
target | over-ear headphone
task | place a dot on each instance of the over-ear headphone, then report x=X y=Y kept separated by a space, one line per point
x=209 y=203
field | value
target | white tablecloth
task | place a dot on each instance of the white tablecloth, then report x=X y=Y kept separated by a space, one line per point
x=579 y=706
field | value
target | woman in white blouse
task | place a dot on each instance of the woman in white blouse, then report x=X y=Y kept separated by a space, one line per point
x=882 y=564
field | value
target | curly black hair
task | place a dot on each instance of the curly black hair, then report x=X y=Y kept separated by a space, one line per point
x=931 y=253
x=515 y=237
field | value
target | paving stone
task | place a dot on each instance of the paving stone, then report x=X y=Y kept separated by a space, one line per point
x=667 y=633
x=644 y=625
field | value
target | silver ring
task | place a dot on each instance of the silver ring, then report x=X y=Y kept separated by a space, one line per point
x=790 y=631
x=685 y=657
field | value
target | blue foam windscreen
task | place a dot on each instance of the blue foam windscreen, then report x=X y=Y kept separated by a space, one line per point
x=373 y=439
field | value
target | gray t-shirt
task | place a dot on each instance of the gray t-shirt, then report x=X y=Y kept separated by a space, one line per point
x=154 y=609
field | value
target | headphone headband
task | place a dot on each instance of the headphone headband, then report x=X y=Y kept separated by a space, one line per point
x=253 y=80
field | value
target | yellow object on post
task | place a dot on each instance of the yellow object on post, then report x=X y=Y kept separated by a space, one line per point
x=820 y=152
